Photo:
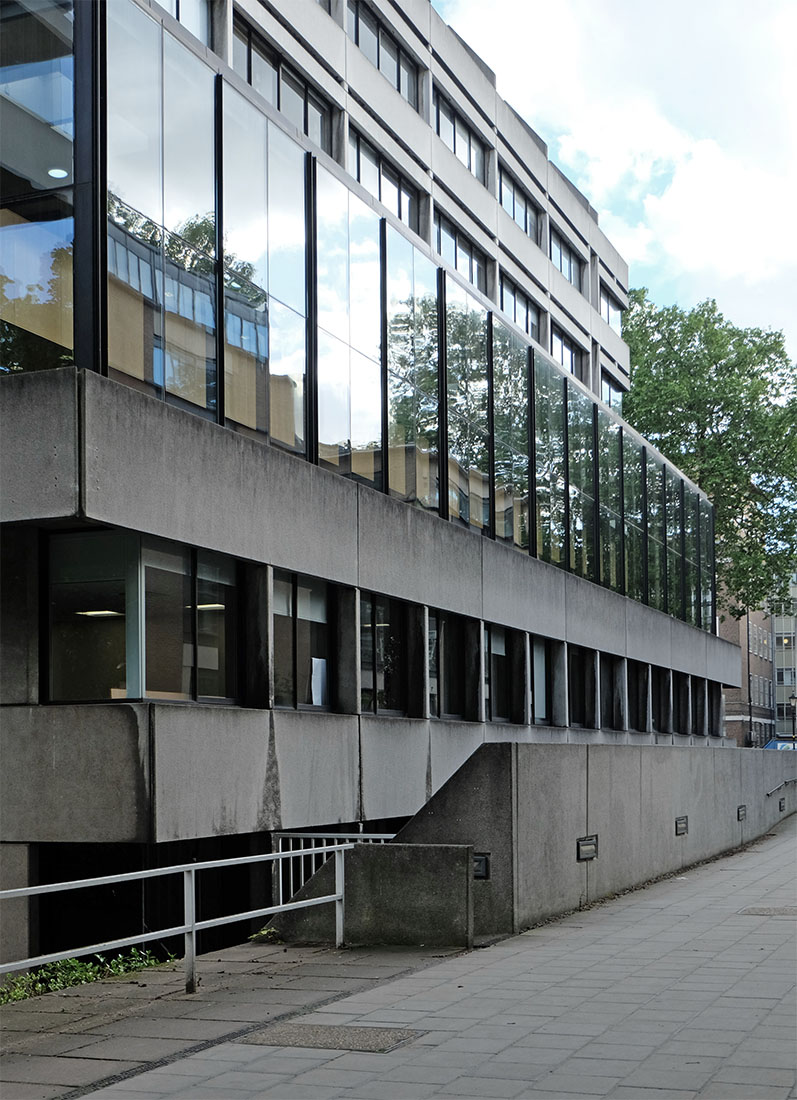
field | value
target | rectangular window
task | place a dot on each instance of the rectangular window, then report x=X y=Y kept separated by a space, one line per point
x=301 y=641
x=181 y=645
x=511 y=435
x=497 y=674
x=382 y=50
x=611 y=310
x=541 y=680
x=281 y=85
x=518 y=204
x=382 y=180
x=566 y=259
x=567 y=353
x=460 y=252
x=460 y=138
x=611 y=393
x=383 y=654
x=519 y=308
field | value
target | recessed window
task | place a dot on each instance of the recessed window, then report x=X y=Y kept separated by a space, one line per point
x=447 y=644
x=497 y=676
x=193 y=14
x=460 y=252
x=382 y=50
x=611 y=393
x=566 y=259
x=567 y=353
x=519 y=308
x=518 y=205
x=384 y=182
x=282 y=86
x=383 y=654
x=611 y=310
x=132 y=618
x=463 y=142
x=301 y=641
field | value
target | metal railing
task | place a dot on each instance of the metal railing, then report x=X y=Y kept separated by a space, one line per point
x=190 y=925
x=785 y=783
x=307 y=852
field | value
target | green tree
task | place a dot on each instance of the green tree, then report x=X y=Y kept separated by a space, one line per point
x=721 y=403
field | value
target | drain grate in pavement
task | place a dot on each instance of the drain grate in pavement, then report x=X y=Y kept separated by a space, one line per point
x=376 y=1040
x=769 y=911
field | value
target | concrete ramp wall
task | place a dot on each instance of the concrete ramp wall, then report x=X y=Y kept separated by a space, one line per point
x=525 y=806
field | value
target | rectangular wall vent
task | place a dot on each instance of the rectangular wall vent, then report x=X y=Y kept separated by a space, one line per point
x=587 y=848
x=681 y=826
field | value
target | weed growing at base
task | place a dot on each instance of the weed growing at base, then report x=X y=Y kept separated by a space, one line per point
x=69 y=972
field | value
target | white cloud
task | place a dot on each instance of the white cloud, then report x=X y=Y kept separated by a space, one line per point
x=680 y=127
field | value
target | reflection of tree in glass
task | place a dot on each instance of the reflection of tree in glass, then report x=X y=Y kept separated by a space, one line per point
x=50 y=304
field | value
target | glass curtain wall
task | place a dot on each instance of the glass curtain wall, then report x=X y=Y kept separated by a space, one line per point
x=634 y=517
x=36 y=177
x=349 y=333
x=657 y=532
x=413 y=427
x=549 y=423
x=610 y=496
x=467 y=399
x=581 y=484
x=511 y=435
x=673 y=488
x=264 y=276
x=706 y=562
x=690 y=565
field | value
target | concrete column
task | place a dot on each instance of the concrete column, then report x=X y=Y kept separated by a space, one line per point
x=425 y=109
x=19 y=927
x=258 y=686
x=19 y=615
x=346 y=697
x=560 y=711
x=221 y=29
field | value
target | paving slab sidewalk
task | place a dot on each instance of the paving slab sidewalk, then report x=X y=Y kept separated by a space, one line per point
x=684 y=990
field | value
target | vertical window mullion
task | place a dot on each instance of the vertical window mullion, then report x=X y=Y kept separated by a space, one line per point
x=295 y=638
x=194 y=678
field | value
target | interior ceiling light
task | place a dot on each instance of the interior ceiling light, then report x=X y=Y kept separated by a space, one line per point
x=58 y=173
x=102 y=614
x=210 y=607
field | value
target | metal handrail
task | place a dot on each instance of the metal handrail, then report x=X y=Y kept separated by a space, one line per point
x=785 y=783
x=292 y=877
x=190 y=925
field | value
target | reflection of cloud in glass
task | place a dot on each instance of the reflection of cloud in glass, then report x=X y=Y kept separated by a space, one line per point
x=366 y=402
x=28 y=250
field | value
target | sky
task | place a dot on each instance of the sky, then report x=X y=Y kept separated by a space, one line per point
x=679 y=124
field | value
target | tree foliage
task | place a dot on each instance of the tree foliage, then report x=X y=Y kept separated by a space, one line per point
x=721 y=403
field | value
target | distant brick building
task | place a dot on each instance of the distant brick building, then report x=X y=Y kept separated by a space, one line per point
x=750 y=709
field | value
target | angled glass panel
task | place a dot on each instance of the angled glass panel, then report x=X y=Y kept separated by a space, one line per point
x=332 y=221
x=36 y=320
x=36 y=95
x=287 y=244
x=581 y=471
x=611 y=504
x=365 y=311
x=246 y=347
x=366 y=419
x=657 y=562
x=511 y=429
x=706 y=552
x=550 y=460
x=334 y=410
x=691 y=521
x=189 y=288
x=287 y=352
x=674 y=558
x=634 y=518
x=188 y=142
x=467 y=388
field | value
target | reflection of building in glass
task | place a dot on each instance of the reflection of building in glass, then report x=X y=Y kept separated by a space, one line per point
x=784 y=626
x=750 y=709
x=333 y=474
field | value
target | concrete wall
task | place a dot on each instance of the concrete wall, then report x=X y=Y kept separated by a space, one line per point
x=527 y=805
x=396 y=894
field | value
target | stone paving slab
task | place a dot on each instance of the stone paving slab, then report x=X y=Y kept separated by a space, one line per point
x=668 y=993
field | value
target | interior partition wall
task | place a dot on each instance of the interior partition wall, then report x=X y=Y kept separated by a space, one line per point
x=247 y=279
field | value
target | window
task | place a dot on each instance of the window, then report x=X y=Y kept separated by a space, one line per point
x=581 y=686
x=193 y=14
x=611 y=394
x=460 y=252
x=518 y=205
x=301 y=641
x=460 y=139
x=611 y=310
x=383 y=654
x=519 y=308
x=541 y=677
x=384 y=181
x=567 y=353
x=181 y=645
x=566 y=260
x=383 y=51
x=281 y=86
x=447 y=641
x=497 y=674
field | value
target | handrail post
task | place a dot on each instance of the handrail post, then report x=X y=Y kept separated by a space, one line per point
x=189 y=919
x=339 y=880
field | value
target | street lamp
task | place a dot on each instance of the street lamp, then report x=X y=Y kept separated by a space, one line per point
x=793 y=701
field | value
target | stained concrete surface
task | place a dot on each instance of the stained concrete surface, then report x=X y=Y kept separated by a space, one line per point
x=673 y=992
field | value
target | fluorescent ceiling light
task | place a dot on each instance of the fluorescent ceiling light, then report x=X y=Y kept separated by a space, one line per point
x=210 y=607
x=102 y=614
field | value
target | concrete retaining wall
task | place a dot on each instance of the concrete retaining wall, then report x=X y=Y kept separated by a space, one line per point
x=396 y=894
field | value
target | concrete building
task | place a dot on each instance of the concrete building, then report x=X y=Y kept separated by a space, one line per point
x=784 y=627
x=750 y=708
x=314 y=474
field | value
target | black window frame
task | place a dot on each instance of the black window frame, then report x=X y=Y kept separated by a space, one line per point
x=575 y=262
x=409 y=90
x=477 y=260
x=405 y=185
x=331 y=621
x=506 y=284
x=245 y=32
x=459 y=122
x=530 y=207
x=401 y=610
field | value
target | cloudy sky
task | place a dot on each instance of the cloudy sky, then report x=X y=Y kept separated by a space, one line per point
x=678 y=122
